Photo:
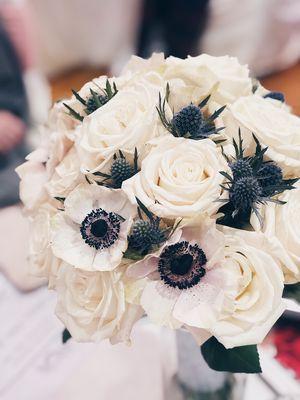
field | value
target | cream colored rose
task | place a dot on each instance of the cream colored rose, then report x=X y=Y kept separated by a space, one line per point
x=126 y=122
x=59 y=119
x=281 y=227
x=42 y=262
x=137 y=65
x=224 y=77
x=33 y=175
x=59 y=136
x=274 y=127
x=66 y=175
x=92 y=305
x=258 y=296
x=179 y=178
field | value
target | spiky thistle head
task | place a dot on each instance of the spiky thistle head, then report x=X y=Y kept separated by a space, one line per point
x=241 y=168
x=270 y=176
x=94 y=101
x=93 y=104
x=245 y=192
x=253 y=181
x=145 y=234
x=275 y=96
x=120 y=171
x=189 y=122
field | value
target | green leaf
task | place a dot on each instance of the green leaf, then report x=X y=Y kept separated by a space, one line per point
x=95 y=98
x=216 y=114
x=227 y=176
x=62 y=199
x=66 y=335
x=98 y=173
x=135 y=160
x=78 y=97
x=133 y=255
x=108 y=89
x=74 y=113
x=204 y=102
x=239 y=359
x=144 y=209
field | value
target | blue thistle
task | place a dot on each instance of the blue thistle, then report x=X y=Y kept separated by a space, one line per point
x=190 y=122
x=270 y=176
x=245 y=192
x=187 y=120
x=276 y=96
x=253 y=182
x=145 y=234
x=241 y=168
x=120 y=171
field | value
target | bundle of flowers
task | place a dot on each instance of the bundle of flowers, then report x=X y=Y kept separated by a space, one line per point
x=169 y=191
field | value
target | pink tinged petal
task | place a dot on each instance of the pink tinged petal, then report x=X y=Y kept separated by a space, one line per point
x=158 y=301
x=201 y=305
x=142 y=268
x=200 y=335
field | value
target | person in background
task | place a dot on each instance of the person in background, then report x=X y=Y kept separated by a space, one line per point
x=176 y=24
x=13 y=116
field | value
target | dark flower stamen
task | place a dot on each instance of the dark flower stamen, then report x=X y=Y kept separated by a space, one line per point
x=181 y=265
x=100 y=229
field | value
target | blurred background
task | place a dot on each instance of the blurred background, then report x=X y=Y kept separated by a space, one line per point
x=48 y=47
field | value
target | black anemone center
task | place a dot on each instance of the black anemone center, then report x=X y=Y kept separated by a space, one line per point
x=181 y=265
x=99 y=228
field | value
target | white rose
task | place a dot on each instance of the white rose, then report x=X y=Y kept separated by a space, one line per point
x=179 y=178
x=223 y=76
x=137 y=65
x=281 y=227
x=127 y=121
x=91 y=232
x=59 y=119
x=274 y=127
x=33 y=175
x=42 y=262
x=92 y=305
x=66 y=175
x=258 y=298
x=59 y=136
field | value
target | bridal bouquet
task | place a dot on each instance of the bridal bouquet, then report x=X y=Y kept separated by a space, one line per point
x=170 y=191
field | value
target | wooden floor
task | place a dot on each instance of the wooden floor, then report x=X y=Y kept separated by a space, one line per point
x=287 y=81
